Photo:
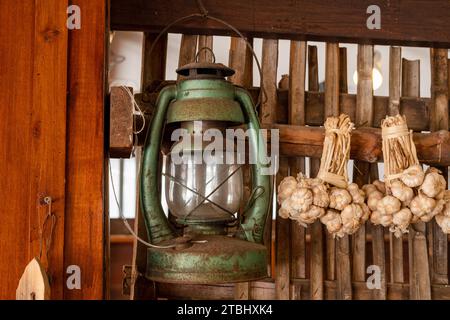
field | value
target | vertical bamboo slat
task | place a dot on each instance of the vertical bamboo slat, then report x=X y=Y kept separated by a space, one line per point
x=154 y=67
x=396 y=244
x=419 y=276
x=188 y=48
x=268 y=116
x=439 y=121
x=205 y=42
x=240 y=59
x=297 y=71
x=343 y=265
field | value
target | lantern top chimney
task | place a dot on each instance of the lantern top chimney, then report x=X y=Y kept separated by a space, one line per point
x=205 y=70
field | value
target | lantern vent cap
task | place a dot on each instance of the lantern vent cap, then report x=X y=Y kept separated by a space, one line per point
x=205 y=70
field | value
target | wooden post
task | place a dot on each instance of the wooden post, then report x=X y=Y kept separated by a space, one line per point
x=240 y=59
x=439 y=121
x=396 y=244
x=188 y=49
x=205 y=42
x=419 y=273
x=154 y=69
x=297 y=76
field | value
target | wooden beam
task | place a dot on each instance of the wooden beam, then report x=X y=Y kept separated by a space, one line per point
x=341 y=20
x=366 y=144
x=85 y=167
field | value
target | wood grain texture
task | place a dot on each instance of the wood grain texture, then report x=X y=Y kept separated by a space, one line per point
x=341 y=20
x=297 y=77
x=439 y=121
x=240 y=59
x=85 y=167
x=396 y=244
x=419 y=271
x=205 y=42
x=188 y=50
x=33 y=113
x=269 y=81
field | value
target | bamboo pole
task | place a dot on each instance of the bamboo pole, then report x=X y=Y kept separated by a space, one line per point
x=297 y=76
x=439 y=121
x=419 y=273
x=396 y=244
x=240 y=59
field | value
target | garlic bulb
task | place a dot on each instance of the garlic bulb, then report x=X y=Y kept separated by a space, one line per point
x=413 y=176
x=421 y=205
x=380 y=186
x=375 y=218
x=320 y=194
x=444 y=223
x=433 y=184
x=373 y=199
x=400 y=222
x=388 y=205
x=368 y=189
x=366 y=212
x=357 y=194
x=446 y=209
x=311 y=215
x=438 y=208
x=332 y=220
x=402 y=192
x=339 y=198
x=301 y=199
x=286 y=188
x=285 y=210
x=351 y=218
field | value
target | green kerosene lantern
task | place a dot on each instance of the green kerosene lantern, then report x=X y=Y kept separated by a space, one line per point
x=214 y=246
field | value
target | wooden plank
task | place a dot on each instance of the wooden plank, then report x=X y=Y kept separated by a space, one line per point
x=85 y=167
x=152 y=67
x=332 y=80
x=267 y=116
x=439 y=121
x=343 y=271
x=313 y=70
x=299 y=141
x=240 y=59
x=419 y=276
x=205 y=42
x=364 y=116
x=410 y=78
x=33 y=133
x=396 y=244
x=188 y=50
x=283 y=250
x=269 y=81
x=341 y=20
x=297 y=76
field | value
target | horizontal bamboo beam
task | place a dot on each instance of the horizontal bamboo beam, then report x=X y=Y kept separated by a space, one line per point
x=299 y=141
x=340 y=20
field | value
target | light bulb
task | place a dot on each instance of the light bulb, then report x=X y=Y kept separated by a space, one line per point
x=377 y=78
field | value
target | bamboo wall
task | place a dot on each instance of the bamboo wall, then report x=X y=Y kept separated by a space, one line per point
x=307 y=263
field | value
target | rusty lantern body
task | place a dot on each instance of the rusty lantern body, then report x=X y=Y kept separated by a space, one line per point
x=205 y=242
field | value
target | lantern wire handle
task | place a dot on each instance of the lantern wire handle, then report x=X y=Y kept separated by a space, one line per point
x=197 y=56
